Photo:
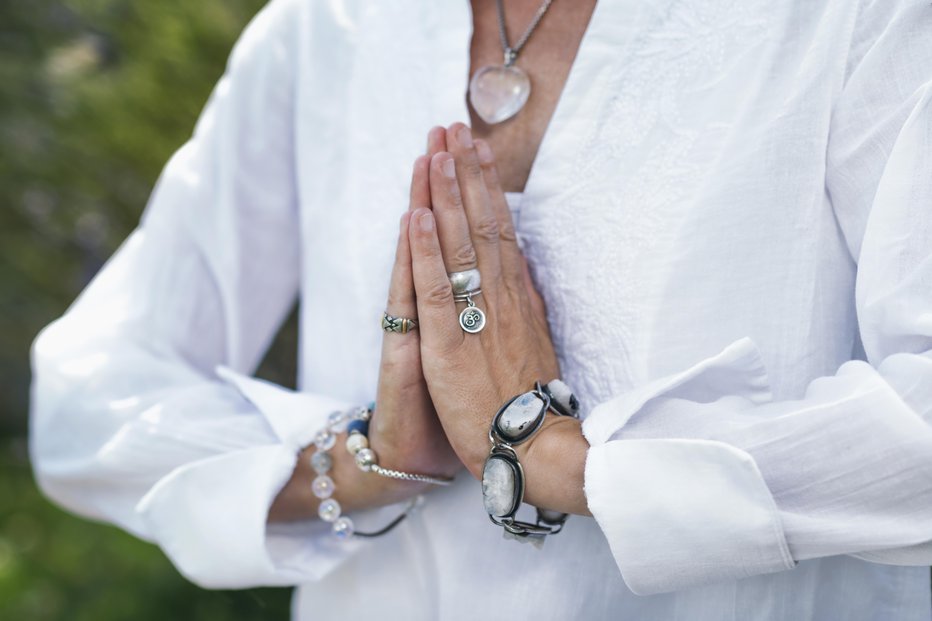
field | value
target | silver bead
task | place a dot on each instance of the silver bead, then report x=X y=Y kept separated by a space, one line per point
x=344 y=528
x=324 y=440
x=321 y=462
x=365 y=459
x=322 y=486
x=329 y=510
x=355 y=442
x=362 y=414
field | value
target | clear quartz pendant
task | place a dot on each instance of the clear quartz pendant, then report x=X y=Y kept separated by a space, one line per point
x=498 y=92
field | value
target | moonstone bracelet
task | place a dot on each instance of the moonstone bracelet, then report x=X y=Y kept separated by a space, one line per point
x=503 y=477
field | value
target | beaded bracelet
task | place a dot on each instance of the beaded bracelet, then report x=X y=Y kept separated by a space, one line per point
x=323 y=486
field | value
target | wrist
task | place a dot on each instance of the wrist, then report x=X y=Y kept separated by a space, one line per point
x=355 y=490
x=535 y=431
x=554 y=463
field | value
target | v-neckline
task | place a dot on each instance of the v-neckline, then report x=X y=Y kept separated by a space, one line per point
x=598 y=52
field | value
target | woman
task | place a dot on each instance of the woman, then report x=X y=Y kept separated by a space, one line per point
x=727 y=218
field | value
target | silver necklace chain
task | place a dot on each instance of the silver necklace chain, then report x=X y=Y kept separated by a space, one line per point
x=511 y=52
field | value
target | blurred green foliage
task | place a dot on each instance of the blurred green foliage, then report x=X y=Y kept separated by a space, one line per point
x=95 y=97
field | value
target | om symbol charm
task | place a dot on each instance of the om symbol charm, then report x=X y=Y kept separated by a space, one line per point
x=472 y=319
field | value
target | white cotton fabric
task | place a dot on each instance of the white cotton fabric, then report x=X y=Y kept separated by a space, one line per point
x=730 y=219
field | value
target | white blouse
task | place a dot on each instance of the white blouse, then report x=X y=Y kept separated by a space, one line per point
x=730 y=219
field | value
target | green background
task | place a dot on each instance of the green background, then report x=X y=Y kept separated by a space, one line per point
x=95 y=95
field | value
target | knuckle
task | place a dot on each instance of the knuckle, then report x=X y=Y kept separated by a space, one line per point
x=465 y=256
x=506 y=232
x=490 y=172
x=486 y=229
x=456 y=197
x=471 y=167
x=439 y=293
x=430 y=252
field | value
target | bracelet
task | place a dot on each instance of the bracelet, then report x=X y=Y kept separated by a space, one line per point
x=357 y=443
x=323 y=486
x=502 y=475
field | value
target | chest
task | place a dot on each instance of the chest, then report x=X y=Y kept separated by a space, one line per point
x=680 y=172
x=547 y=58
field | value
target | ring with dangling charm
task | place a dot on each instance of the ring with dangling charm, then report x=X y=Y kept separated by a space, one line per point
x=465 y=285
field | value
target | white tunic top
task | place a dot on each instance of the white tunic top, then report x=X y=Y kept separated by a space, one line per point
x=730 y=219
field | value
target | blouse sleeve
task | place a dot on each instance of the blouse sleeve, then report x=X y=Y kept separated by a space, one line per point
x=142 y=414
x=701 y=476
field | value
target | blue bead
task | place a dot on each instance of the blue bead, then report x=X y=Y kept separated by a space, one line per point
x=362 y=426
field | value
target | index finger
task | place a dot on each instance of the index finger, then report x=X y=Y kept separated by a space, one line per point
x=440 y=329
x=401 y=302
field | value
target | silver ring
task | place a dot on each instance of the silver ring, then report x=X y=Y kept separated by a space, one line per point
x=466 y=296
x=465 y=281
x=401 y=325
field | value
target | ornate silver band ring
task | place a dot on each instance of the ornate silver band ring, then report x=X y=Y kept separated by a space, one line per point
x=401 y=325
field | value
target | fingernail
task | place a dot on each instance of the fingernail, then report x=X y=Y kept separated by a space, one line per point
x=404 y=220
x=426 y=221
x=485 y=153
x=449 y=169
x=464 y=136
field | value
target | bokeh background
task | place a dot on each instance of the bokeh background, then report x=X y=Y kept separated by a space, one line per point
x=95 y=95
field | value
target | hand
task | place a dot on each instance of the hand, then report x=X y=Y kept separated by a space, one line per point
x=471 y=375
x=404 y=431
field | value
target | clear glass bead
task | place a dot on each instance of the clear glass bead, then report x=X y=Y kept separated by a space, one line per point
x=362 y=414
x=324 y=440
x=329 y=510
x=344 y=528
x=337 y=420
x=322 y=486
x=321 y=462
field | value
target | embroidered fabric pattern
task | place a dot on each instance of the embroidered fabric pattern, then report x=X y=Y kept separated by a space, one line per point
x=653 y=86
